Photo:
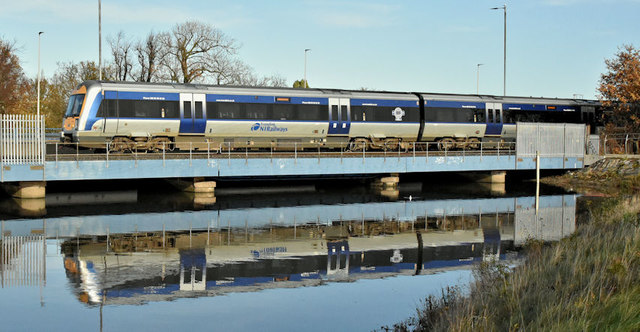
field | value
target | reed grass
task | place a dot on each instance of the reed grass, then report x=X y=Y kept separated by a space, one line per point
x=589 y=281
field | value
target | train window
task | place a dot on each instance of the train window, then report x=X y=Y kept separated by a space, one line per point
x=108 y=108
x=508 y=116
x=479 y=116
x=311 y=112
x=344 y=115
x=229 y=111
x=126 y=108
x=357 y=113
x=451 y=115
x=258 y=111
x=187 y=109
x=334 y=112
x=198 y=110
x=170 y=108
x=283 y=111
x=490 y=116
x=75 y=105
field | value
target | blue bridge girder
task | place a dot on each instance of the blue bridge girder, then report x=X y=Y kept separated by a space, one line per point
x=292 y=165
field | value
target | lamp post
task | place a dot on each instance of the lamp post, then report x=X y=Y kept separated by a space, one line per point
x=504 y=70
x=478 y=78
x=38 y=104
x=100 y=40
x=305 y=66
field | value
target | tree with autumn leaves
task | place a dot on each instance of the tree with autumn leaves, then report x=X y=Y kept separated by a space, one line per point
x=619 y=91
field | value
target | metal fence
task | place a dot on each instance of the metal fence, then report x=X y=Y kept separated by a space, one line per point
x=628 y=143
x=550 y=140
x=22 y=139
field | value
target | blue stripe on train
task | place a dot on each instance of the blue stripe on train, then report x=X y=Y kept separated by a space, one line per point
x=384 y=103
x=130 y=95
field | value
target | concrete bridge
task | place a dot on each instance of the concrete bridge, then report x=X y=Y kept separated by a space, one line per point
x=26 y=167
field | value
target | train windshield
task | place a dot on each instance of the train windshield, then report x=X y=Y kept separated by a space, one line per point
x=75 y=104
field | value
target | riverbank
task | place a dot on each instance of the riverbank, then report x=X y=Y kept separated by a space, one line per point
x=588 y=281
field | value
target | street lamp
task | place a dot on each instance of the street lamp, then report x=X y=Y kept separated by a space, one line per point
x=504 y=70
x=305 y=66
x=478 y=78
x=100 y=40
x=38 y=107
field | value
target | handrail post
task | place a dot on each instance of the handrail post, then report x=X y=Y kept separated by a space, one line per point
x=295 y=151
x=271 y=152
x=77 y=154
x=208 y=151
x=107 y=145
x=190 y=153
x=57 y=154
x=246 y=154
x=163 y=152
x=414 y=152
x=427 y=151
x=626 y=139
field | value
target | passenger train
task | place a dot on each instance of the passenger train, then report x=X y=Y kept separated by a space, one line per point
x=155 y=116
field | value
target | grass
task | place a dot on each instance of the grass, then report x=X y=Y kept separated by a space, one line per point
x=589 y=281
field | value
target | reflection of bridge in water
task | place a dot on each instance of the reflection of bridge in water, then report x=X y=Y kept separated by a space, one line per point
x=140 y=257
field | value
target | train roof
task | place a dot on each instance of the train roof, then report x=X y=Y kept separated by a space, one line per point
x=329 y=93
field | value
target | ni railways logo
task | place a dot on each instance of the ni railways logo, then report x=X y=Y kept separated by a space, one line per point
x=268 y=127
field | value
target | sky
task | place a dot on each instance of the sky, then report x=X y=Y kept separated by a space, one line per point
x=555 y=48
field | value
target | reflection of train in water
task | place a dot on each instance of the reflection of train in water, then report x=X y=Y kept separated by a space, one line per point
x=137 y=269
x=249 y=249
x=155 y=116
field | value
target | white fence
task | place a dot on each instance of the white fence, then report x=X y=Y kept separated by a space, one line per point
x=550 y=140
x=22 y=260
x=22 y=139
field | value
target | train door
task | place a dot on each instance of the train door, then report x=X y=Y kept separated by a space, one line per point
x=193 y=113
x=339 y=116
x=493 y=115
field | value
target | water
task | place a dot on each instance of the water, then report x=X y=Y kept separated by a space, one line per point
x=257 y=259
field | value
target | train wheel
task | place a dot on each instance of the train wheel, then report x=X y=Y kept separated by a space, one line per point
x=358 y=144
x=160 y=143
x=473 y=143
x=391 y=144
x=447 y=143
x=121 y=144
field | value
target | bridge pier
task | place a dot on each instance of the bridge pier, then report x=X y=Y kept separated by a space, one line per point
x=387 y=182
x=195 y=185
x=26 y=189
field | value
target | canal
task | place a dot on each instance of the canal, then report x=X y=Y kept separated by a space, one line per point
x=303 y=257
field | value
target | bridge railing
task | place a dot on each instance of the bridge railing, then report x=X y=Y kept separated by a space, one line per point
x=22 y=139
x=58 y=151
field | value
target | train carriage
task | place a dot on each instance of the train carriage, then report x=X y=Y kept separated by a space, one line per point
x=153 y=116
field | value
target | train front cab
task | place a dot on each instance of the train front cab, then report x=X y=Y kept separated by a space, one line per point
x=72 y=114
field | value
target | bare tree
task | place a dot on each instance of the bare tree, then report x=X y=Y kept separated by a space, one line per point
x=235 y=72
x=194 y=50
x=121 y=49
x=151 y=54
